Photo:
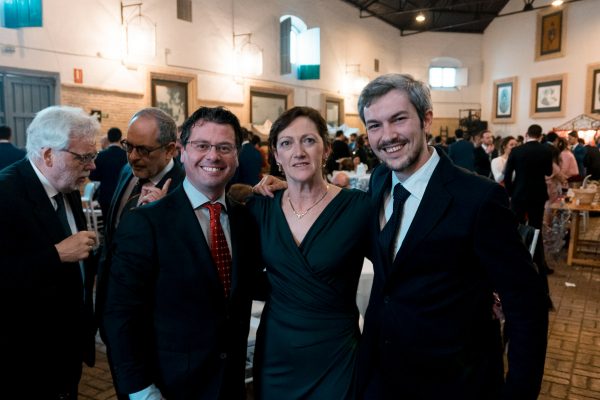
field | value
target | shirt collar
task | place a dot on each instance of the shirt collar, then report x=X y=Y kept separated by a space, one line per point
x=198 y=198
x=417 y=182
x=4 y=141
x=50 y=190
x=156 y=178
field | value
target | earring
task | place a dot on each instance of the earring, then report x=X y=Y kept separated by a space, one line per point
x=279 y=167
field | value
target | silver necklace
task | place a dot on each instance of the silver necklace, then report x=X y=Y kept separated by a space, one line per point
x=299 y=215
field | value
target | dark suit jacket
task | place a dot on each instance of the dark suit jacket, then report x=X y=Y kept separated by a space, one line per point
x=250 y=164
x=429 y=332
x=532 y=162
x=483 y=161
x=45 y=318
x=177 y=174
x=167 y=320
x=10 y=154
x=462 y=153
x=591 y=161
x=579 y=151
x=109 y=163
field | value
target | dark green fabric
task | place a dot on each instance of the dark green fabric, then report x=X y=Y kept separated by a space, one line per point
x=308 y=335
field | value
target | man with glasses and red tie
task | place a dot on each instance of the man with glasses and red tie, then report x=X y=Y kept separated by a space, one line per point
x=46 y=272
x=179 y=295
x=150 y=173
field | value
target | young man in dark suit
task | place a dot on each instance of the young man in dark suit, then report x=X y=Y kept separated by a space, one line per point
x=109 y=163
x=462 y=152
x=178 y=306
x=9 y=153
x=46 y=274
x=151 y=172
x=525 y=181
x=484 y=154
x=429 y=331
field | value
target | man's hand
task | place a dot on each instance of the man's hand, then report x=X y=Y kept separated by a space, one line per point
x=269 y=185
x=150 y=194
x=76 y=247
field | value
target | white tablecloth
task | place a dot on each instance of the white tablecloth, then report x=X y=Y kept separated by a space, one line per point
x=356 y=181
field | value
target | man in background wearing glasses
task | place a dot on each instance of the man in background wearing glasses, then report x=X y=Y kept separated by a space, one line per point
x=46 y=272
x=150 y=173
x=178 y=305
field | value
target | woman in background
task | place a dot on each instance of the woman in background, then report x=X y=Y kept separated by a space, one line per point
x=314 y=237
x=498 y=163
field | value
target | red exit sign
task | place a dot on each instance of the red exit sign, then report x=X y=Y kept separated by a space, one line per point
x=77 y=75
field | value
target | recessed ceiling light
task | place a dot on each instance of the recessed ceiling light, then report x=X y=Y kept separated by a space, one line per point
x=420 y=17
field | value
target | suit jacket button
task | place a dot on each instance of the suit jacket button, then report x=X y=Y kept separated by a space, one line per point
x=223 y=356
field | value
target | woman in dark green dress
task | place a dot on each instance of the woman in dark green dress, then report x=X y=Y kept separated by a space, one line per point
x=314 y=239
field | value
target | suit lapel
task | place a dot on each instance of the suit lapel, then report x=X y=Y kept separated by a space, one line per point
x=237 y=240
x=124 y=178
x=433 y=205
x=380 y=185
x=41 y=206
x=186 y=221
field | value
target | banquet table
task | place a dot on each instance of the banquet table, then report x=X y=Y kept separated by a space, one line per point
x=574 y=256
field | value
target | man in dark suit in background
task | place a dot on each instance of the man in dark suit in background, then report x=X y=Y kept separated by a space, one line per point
x=579 y=152
x=46 y=275
x=461 y=152
x=429 y=331
x=178 y=306
x=250 y=161
x=484 y=154
x=531 y=163
x=9 y=153
x=109 y=163
x=151 y=172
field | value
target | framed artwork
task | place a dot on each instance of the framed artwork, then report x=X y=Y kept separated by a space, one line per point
x=333 y=110
x=592 y=96
x=550 y=35
x=505 y=92
x=171 y=97
x=548 y=96
x=266 y=106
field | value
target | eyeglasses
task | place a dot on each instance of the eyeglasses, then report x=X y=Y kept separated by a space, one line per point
x=82 y=158
x=204 y=147
x=143 y=151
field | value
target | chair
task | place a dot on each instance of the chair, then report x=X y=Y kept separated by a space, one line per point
x=91 y=209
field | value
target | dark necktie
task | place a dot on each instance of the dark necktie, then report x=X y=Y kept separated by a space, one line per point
x=218 y=246
x=134 y=196
x=389 y=231
x=61 y=212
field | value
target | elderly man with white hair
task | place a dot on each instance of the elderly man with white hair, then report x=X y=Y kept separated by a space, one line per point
x=46 y=275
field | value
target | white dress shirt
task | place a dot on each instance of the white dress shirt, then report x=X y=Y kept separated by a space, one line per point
x=416 y=185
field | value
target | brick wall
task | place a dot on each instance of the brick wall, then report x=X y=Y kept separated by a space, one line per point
x=117 y=107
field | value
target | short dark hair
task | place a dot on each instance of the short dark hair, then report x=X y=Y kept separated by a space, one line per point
x=459 y=133
x=290 y=115
x=534 y=131
x=114 y=135
x=551 y=136
x=574 y=134
x=339 y=133
x=254 y=140
x=5 y=132
x=218 y=115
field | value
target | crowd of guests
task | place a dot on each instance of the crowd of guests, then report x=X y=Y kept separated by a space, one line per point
x=181 y=260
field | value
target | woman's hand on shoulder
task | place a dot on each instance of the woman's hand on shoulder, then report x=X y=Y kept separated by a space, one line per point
x=268 y=185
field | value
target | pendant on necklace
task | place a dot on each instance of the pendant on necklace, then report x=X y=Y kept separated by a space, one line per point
x=302 y=214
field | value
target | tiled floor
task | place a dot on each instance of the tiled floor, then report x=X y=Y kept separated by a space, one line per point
x=573 y=357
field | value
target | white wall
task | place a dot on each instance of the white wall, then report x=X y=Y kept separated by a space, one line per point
x=508 y=50
x=88 y=34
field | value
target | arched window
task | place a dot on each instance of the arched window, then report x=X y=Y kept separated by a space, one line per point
x=300 y=48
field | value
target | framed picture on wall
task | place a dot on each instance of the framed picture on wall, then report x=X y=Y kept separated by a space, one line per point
x=550 y=35
x=505 y=92
x=171 y=97
x=548 y=96
x=333 y=110
x=266 y=106
x=592 y=96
